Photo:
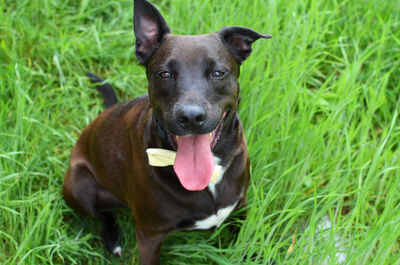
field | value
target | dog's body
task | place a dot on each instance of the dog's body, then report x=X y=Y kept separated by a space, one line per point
x=191 y=108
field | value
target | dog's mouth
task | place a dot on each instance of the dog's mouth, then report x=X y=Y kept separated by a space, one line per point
x=213 y=136
x=194 y=162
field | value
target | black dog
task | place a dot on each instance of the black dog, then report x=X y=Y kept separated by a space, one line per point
x=191 y=108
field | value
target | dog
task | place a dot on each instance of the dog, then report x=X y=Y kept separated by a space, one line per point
x=177 y=156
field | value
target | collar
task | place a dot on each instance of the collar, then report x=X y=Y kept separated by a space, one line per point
x=162 y=158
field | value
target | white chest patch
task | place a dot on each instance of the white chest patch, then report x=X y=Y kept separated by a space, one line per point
x=215 y=219
x=221 y=171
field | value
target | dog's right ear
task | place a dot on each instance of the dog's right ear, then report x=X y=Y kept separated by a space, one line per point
x=150 y=29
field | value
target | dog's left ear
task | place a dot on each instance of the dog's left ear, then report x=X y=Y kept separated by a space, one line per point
x=150 y=29
x=238 y=40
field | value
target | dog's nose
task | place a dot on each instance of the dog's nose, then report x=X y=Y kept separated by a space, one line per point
x=191 y=116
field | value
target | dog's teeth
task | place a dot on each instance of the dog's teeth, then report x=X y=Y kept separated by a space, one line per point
x=210 y=136
x=177 y=137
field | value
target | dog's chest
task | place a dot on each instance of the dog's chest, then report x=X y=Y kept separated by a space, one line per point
x=210 y=208
x=216 y=219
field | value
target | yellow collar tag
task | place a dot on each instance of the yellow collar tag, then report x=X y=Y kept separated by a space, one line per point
x=163 y=158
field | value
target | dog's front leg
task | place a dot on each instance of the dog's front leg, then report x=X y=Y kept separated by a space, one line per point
x=149 y=246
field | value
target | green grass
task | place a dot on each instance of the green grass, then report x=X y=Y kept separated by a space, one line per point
x=320 y=105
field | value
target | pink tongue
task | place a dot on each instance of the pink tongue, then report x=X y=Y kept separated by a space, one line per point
x=194 y=162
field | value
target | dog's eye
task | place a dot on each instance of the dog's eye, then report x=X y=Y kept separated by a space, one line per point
x=165 y=75
x=218 y=74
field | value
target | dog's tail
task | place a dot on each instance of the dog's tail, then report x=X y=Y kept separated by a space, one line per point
x=109 y=96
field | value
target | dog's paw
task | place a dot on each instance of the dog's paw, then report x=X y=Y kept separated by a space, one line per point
x=117 y=251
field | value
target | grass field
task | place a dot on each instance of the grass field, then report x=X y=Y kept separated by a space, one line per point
x=320 y=104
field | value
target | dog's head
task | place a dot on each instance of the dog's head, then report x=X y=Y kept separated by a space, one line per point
x=193 y=84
